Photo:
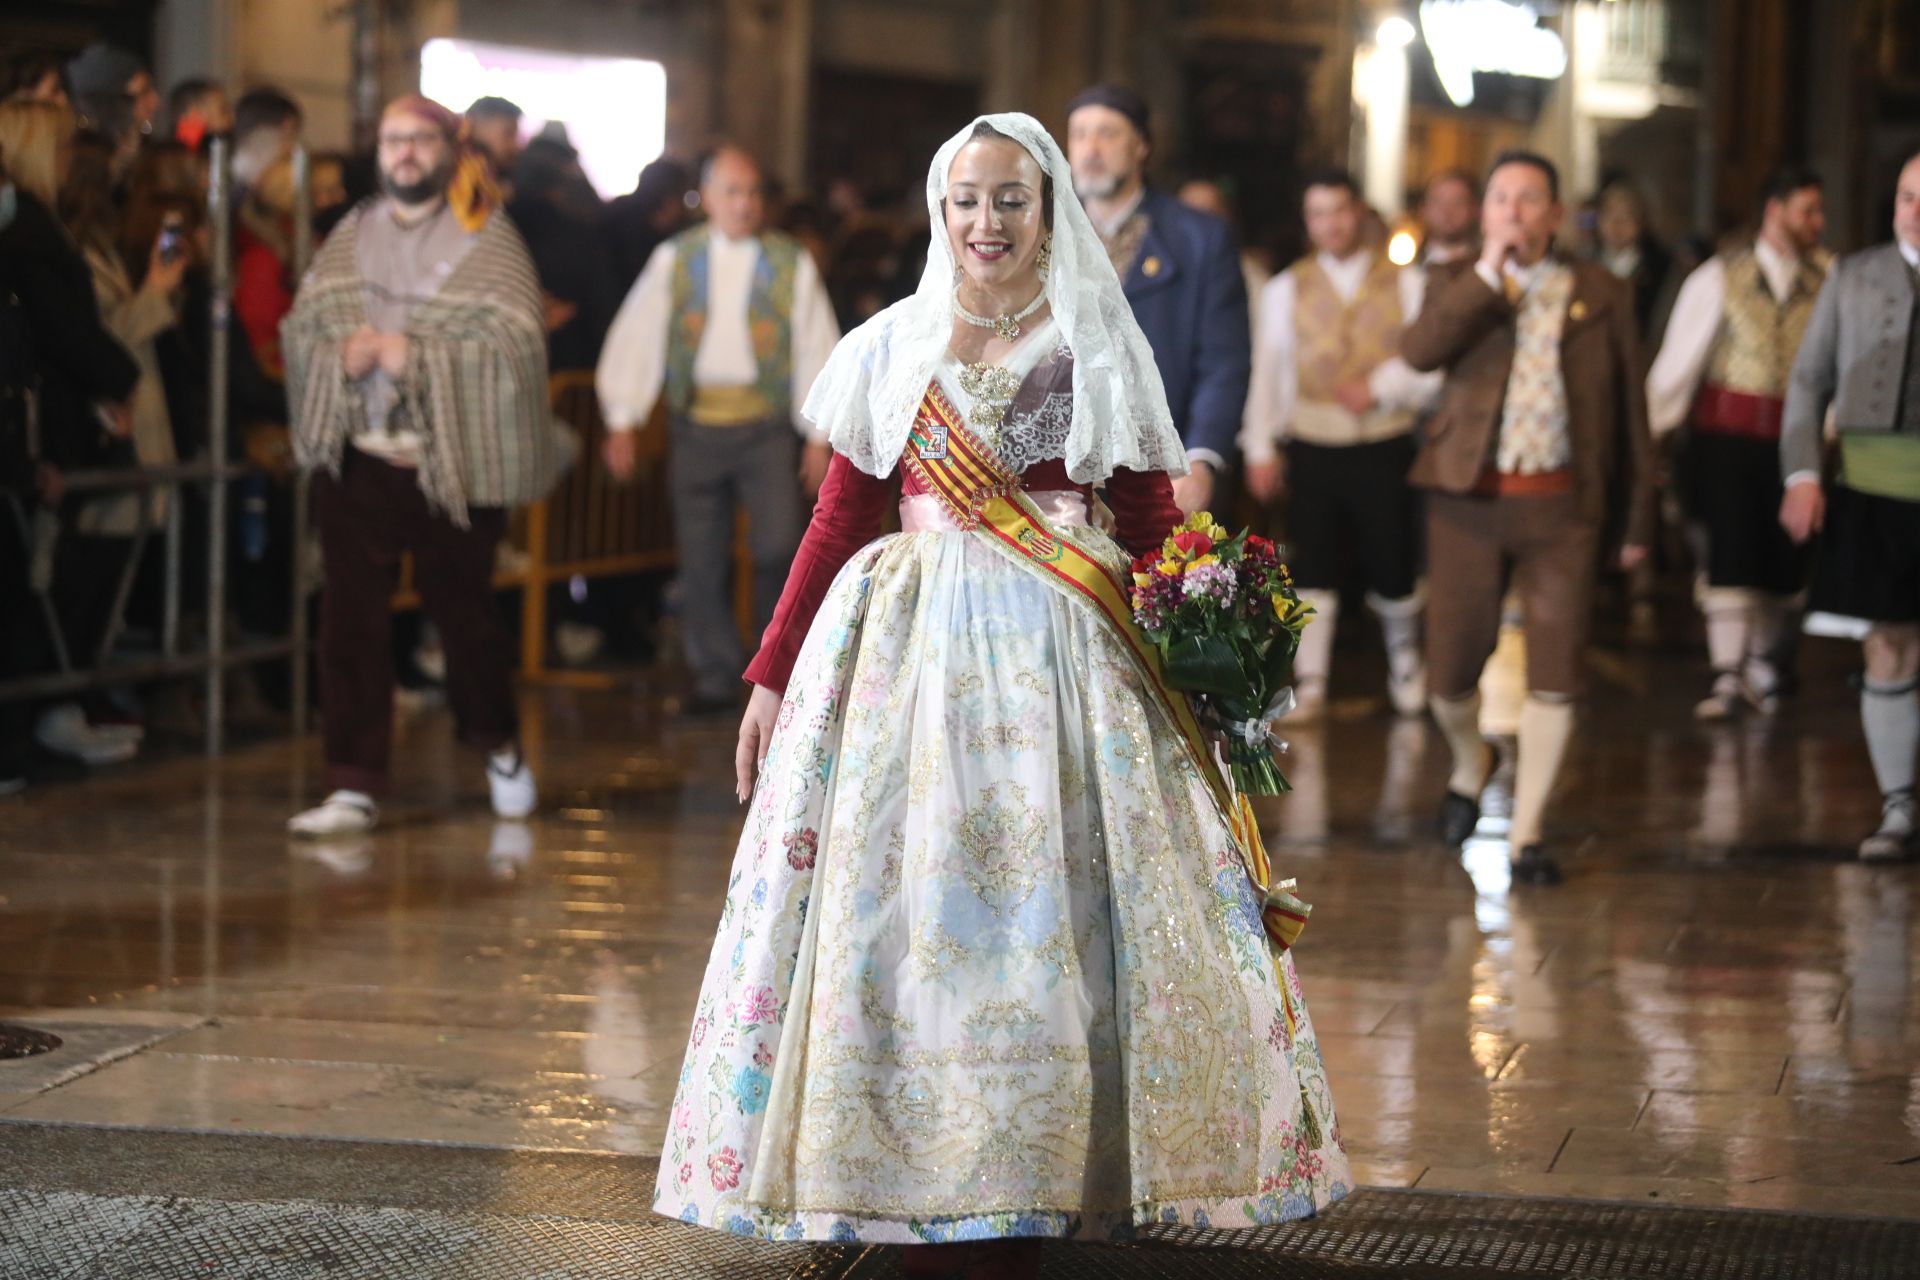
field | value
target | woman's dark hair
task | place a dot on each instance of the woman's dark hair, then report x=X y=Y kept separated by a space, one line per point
x=985 y=130
x=87 y=206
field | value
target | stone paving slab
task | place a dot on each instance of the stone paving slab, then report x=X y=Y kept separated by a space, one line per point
x=87 y=1044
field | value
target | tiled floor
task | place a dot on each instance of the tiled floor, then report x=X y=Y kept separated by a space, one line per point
x=1718 y=1008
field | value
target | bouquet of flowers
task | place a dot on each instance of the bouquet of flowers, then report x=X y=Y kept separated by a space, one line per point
x=1227 y=621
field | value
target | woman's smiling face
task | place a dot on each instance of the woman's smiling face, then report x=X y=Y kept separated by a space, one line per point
x=995 y=212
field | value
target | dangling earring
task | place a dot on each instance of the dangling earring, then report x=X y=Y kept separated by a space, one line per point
x=1044 y=263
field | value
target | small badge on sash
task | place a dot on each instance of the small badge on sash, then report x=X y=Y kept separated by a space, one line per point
x=1040 y=546
x=933 y=440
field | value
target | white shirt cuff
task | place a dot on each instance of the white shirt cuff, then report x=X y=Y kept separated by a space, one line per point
x=1490 y=278
x=1209 y=457
x=1803 y=477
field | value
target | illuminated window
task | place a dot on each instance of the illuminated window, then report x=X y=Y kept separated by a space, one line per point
x=615 y=109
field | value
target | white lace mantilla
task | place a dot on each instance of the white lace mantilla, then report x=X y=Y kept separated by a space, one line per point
x=867 y=396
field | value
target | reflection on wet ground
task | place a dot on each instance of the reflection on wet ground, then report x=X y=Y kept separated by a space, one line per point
x=1716 y=1009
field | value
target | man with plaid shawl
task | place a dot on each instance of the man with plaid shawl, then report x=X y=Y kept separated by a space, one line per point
x=417 y=378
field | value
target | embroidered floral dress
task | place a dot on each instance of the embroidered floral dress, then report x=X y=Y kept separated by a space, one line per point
x=990 y=964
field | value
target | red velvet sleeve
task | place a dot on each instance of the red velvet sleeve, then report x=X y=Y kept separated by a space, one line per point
x=847 y=516
x=1143 y=508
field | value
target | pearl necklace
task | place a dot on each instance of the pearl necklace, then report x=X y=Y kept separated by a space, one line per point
x=1007 y=327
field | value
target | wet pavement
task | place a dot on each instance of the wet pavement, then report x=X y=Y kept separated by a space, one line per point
x=1716 y=1010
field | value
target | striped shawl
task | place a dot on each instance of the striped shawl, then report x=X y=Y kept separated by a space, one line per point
x=476 y=378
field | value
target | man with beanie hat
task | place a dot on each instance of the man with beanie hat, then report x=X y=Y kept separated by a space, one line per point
x=1179 y=269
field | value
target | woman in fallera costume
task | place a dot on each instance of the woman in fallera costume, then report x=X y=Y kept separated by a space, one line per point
x=991 y=966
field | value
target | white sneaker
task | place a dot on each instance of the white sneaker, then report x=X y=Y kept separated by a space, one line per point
x=511 y=782
x=1893 y=842
x=64 y=731
x=343 y=813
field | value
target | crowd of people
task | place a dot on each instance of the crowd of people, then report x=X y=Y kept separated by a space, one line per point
x=1541 y=399
x=104 y=250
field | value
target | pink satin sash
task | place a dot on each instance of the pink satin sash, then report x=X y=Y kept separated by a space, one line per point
x=925 y=513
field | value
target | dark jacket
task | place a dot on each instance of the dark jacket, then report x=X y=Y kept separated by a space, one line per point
x=184 y=350
x=1191 y=300
x=575 y=265
x=75 y=362
x=1467 y=329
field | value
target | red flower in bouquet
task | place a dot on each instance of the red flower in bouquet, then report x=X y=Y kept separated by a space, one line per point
x=1191 y=544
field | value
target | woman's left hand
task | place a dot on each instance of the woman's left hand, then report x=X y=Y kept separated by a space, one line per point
x=756 y=734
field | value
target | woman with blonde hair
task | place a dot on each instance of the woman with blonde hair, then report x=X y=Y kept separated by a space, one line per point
x=36 y=141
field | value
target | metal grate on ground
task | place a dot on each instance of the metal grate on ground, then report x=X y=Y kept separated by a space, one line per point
x=84 y=1203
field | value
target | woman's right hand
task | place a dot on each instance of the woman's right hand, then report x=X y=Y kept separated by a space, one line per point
x=756 y=732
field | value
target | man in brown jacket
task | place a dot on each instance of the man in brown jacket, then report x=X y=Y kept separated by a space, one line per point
x=1543 y=403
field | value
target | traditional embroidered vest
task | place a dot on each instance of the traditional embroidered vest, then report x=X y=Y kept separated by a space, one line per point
x=1336 y=341
x=1533 y=420
x=1753 y=352
x=769 y=322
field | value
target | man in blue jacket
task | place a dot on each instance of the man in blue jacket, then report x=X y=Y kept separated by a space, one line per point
x=1181 y=272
